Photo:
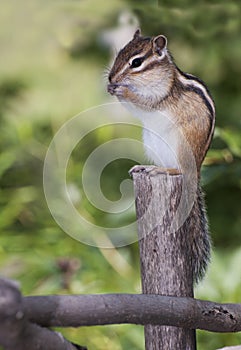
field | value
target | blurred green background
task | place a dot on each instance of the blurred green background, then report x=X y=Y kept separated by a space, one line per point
x=52 y=63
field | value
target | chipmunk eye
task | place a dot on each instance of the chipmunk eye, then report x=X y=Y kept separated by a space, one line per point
x=137 y=62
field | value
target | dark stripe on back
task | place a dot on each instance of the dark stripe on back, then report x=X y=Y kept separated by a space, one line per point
x=201 y=94
x=196 y=89
x=193 y=77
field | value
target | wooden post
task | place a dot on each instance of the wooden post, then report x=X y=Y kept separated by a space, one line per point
x=163 y=257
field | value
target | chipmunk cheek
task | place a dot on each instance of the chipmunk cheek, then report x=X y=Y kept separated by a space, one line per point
x=126 y=93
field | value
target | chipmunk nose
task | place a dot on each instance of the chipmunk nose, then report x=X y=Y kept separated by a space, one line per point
x=111 y=88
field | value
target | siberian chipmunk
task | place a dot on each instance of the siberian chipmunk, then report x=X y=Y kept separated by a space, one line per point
x=145 y=77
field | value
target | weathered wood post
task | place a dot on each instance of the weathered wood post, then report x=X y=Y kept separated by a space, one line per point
x=163 y=258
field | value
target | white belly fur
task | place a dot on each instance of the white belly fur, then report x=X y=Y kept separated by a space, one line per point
x=160 y=136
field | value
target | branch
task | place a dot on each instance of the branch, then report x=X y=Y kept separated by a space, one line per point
x=16 y=332
x=91 y=310
x=22 y=318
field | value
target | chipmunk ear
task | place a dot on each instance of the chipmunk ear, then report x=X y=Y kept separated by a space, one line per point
x=159 y=43
x=137 y=34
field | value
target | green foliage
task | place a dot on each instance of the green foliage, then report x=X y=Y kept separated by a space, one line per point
x=51 y=68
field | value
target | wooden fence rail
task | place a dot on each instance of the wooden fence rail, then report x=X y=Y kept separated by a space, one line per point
x=25 y=320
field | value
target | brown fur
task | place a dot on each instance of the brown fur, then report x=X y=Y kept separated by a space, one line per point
x=159 y=85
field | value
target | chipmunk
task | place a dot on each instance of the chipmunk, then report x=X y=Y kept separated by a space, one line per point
x=174 y=105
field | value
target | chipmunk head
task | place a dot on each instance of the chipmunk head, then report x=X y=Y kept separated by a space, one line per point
x=143 y=71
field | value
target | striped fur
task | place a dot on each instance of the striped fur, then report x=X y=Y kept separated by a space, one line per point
x=158 y=84
x=154 y=85
x=189 y=81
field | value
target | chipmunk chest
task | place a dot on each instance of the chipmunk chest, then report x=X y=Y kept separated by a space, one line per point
x=160 y=137
x=161 y=145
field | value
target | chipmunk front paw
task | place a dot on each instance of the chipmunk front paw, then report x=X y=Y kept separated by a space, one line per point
x=153 y=170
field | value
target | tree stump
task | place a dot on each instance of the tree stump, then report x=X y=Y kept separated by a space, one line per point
x=163 y=257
